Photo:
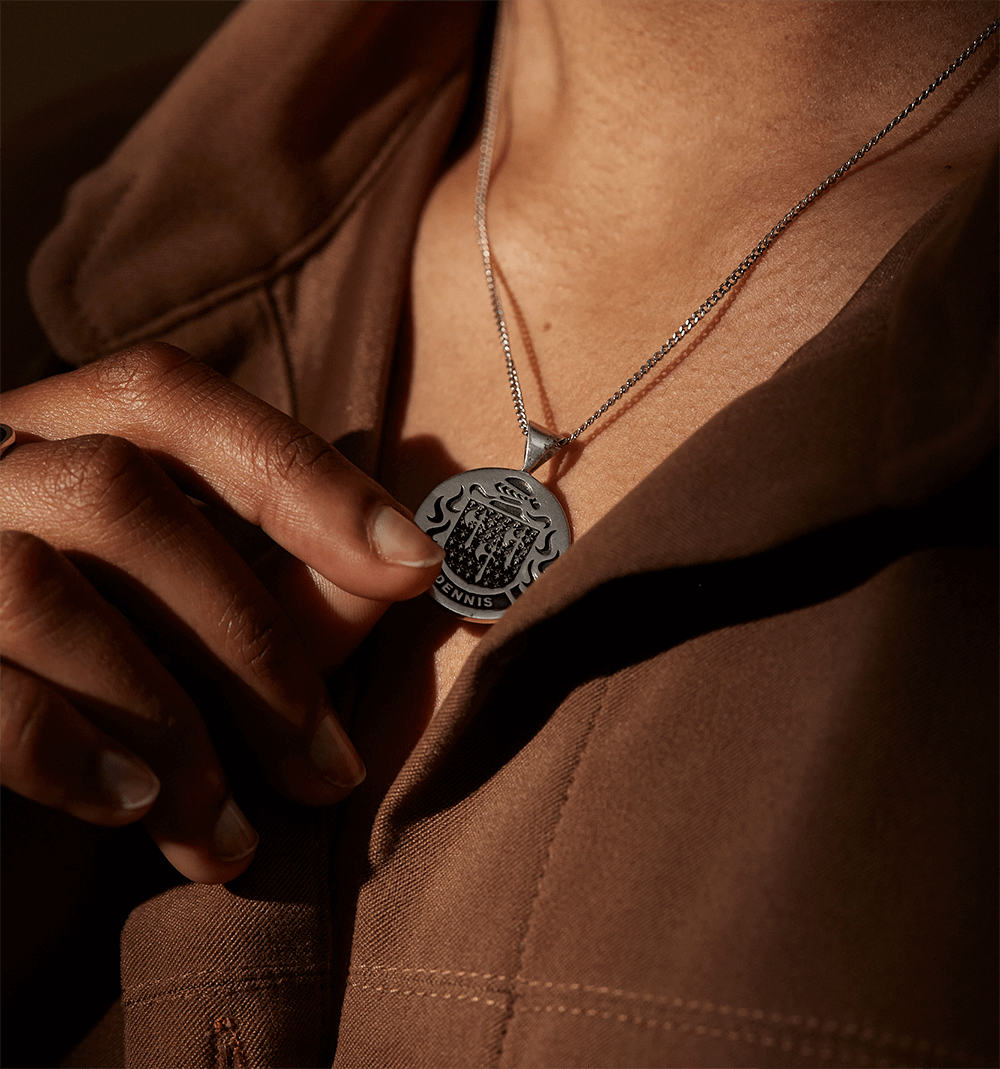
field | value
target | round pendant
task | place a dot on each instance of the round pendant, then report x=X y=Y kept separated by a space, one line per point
x=500 y=530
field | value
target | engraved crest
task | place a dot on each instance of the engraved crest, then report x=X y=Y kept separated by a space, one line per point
x=500 y=530
x=486 y=546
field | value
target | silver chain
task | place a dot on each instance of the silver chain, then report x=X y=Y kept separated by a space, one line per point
x=706 y=306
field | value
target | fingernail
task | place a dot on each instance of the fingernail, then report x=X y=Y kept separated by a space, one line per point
x=233 y=837
x=333 y=755
x=399 y=541
x=128 y=783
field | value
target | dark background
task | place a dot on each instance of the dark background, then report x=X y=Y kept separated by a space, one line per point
x=75 y=75
x=50 y=48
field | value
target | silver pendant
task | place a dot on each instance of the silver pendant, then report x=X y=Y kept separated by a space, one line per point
x=500 y=530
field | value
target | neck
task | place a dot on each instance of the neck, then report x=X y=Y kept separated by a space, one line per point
x=734 y=111
x=712 y=86
x=740 y=62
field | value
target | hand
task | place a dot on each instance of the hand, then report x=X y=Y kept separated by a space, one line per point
x=101 y=546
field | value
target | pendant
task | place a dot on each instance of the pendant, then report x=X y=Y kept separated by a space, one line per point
x=500 y=530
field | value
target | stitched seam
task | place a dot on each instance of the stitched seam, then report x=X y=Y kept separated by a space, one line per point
x=228 y=985
x=200 y=303
x=498 y=1050
x=808 y=1026
x=442 y=990
x=847 y=1050
x=822 y=1046
x=463 y=973
x=224 y=980
x=257 y=971
x=445 y=996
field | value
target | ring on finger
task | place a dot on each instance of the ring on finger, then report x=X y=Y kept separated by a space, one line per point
x=7 y=438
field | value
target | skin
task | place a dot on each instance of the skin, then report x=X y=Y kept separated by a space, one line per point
x=97 y=532
x=609 y=233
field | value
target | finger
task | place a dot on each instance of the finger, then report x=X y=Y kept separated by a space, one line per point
x=54 y=756
x=55 y=626
x=173 y=572
x=226 y=446
x=332 y=622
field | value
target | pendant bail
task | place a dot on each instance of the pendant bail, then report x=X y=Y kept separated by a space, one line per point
x=540 y=447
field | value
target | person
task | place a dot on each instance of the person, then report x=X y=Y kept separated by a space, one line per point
x=718 y=788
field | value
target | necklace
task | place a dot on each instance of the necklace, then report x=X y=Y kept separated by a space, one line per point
x=500 y=527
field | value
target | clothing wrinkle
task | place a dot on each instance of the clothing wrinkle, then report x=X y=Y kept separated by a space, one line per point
x=825 y=563
x=397 y=815
x=199 y=304
x=80 y=307
x=288 y=366
x=530 y=910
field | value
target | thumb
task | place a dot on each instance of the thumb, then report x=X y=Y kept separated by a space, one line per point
x=223 y=445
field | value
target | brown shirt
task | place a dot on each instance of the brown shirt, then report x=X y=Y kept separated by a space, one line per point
x=719 y=789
